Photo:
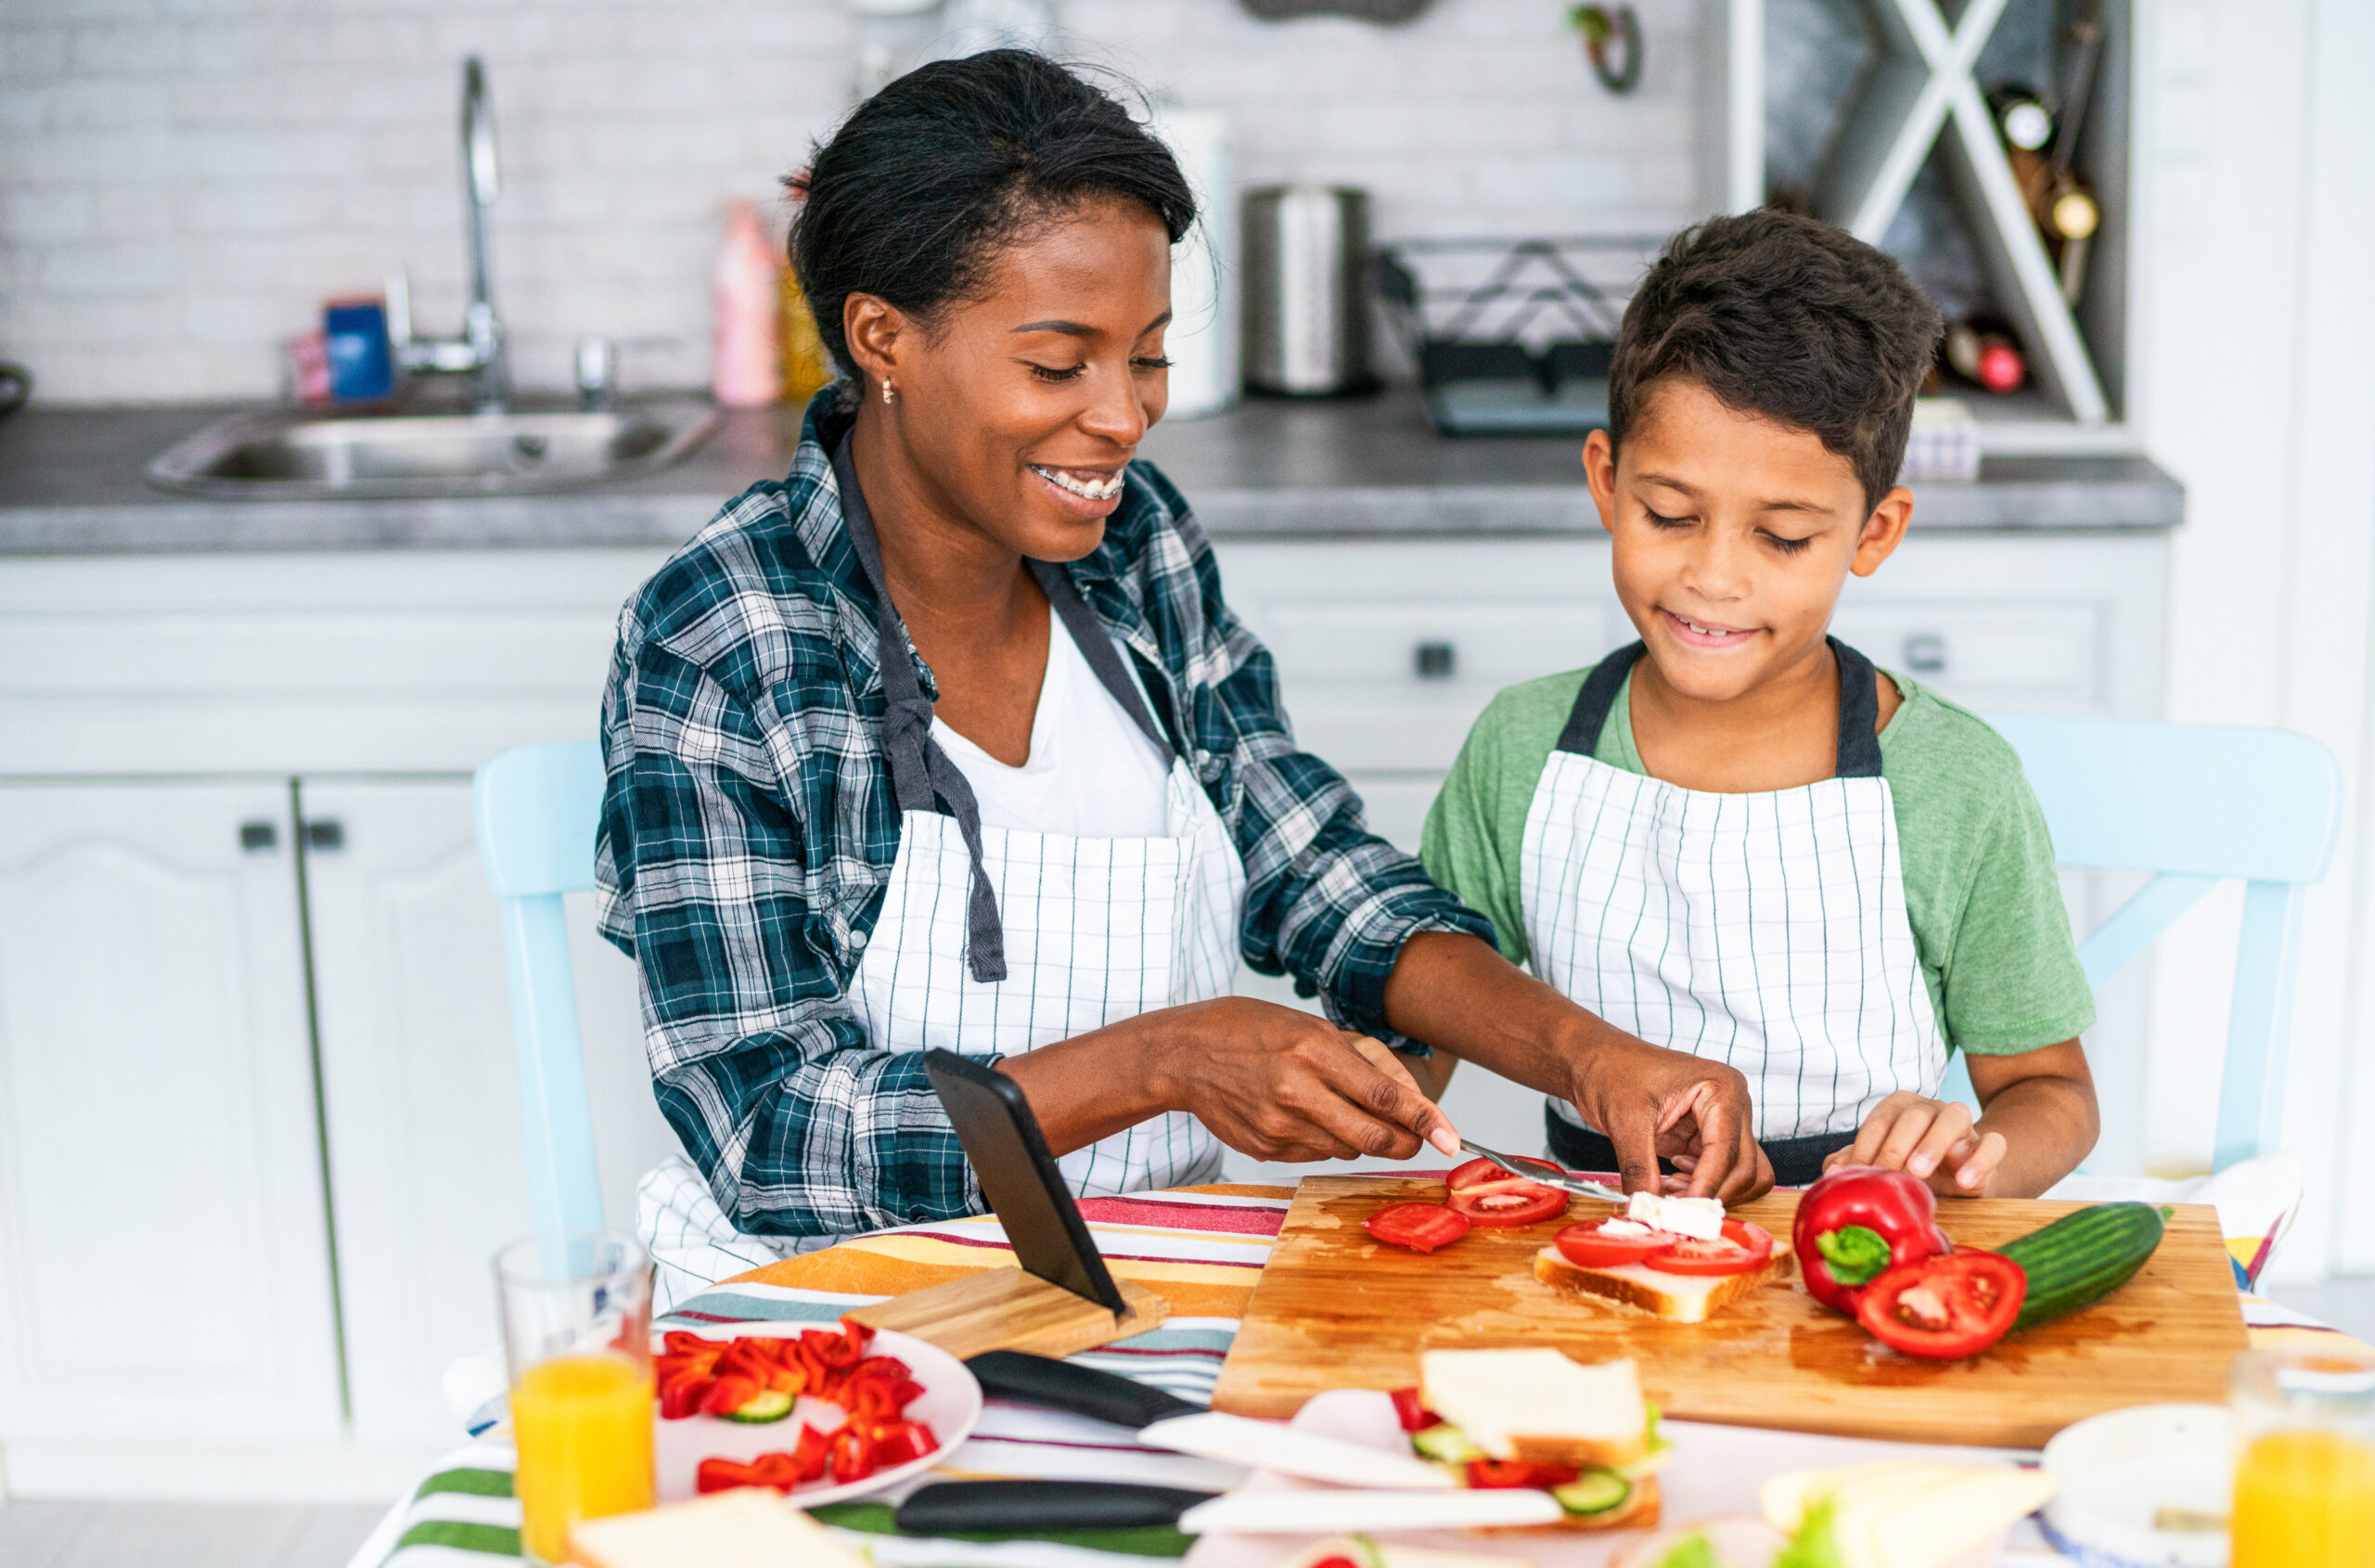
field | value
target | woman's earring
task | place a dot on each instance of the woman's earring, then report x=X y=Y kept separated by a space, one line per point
x=886 y=392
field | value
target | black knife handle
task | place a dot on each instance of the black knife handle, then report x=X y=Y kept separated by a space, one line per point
x=1083 y=1391
x=949 y=1507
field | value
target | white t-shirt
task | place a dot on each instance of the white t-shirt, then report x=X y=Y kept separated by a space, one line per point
x=1092 y=774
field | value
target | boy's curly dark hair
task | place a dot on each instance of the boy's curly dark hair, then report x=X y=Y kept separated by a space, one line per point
x=1787 y=317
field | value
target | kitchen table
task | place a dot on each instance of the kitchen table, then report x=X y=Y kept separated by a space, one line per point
x=1201 y=1248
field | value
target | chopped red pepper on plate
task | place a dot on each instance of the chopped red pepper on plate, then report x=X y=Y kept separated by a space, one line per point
x=734 y=1378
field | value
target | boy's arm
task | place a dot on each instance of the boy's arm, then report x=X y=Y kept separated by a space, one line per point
x=2037 y=1119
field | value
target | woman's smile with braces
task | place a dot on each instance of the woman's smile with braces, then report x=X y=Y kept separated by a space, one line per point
x=1087 y=489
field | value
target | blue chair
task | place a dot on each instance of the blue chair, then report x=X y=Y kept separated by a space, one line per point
x=535 y=808
x=2199 y=804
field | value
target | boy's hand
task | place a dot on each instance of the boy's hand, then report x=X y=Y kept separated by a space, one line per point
x=1932 y=1139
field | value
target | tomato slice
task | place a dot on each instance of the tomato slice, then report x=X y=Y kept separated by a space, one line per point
x=1588 y=1247
x=1943 y=1308
x=1419 y=1227
x=1743 y=1248
x=1499 y=1474
x=1412 y=1416
x=1491 y=1197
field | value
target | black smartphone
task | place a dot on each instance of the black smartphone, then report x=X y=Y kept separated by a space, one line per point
x=1019 y=1176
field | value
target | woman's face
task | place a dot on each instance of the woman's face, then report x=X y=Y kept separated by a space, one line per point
x=1015 y=412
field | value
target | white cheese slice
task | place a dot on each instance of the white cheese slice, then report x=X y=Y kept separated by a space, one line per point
x=1493 y=1394
x=1700 y=1217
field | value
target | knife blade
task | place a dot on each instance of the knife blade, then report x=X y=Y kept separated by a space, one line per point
x=1164 y=1421
x=1026 y=1507
x=1534 y=1172
x=1329 y=1511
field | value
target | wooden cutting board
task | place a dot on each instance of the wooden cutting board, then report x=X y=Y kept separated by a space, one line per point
x=1335 y=1310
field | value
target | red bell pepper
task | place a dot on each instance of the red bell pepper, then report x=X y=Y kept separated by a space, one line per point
x=852 y=1456
x=812 y=1452
x=681 y=1394
x=1414 y=1416
x=1858 y=1222
x=723 y=1475
x=729 y=1394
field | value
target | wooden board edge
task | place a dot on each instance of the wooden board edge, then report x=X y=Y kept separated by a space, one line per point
x=1008 y=1309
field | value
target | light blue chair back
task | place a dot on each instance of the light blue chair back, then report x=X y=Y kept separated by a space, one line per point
x=2199 y=804
x=535 y=808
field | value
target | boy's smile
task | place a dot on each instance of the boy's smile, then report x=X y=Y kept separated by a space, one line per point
x=1733 y=535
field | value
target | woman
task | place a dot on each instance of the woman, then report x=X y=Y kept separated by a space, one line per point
x=950 y=738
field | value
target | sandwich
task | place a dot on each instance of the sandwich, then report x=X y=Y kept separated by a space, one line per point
x=749 y=1527
x=1899 y=1514
x=1534 y=1417
x=1675 y=1258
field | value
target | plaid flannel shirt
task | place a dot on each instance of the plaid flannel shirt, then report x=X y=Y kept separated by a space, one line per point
x=749 y=827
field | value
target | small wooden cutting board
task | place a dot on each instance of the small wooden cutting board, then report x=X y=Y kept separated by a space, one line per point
x=1336 y=1309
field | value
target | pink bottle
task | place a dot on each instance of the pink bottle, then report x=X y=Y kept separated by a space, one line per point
x=746 y=370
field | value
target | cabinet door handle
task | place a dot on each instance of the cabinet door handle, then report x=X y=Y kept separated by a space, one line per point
x=258 y=836
x=1435 y=660
x=326 y=834
x=1925 y=654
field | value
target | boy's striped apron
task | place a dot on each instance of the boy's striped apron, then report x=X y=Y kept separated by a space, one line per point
x=996 y=941
x=1766 y=931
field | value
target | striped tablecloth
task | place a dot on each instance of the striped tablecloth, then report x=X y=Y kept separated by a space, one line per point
x=1201 y=1248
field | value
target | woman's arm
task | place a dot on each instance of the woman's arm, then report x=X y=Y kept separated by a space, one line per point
x=1461 y=996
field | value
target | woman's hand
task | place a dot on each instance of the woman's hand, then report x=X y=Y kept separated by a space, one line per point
x=1934 y=1140
x=1269 y=1081
x=1281 y=1085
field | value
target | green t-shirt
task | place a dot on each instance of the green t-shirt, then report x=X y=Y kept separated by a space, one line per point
x=1980 y=892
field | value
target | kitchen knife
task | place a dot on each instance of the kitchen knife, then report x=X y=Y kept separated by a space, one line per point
x=1534 y=1171
x=1165 y=1421
x=1027 y=1507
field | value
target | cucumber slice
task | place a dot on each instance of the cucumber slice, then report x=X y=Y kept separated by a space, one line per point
x=1594 y=1491
x=1446 y=1444
x=768 y=1404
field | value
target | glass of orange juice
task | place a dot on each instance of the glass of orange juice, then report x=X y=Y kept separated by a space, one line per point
x=2304 y=1460
x=577 y=1334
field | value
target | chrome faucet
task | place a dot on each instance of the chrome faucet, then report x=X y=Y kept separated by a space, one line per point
x=478 y=351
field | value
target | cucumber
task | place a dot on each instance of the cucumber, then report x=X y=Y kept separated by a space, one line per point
x=2081 y=1258
x=1594 y=1491
x=767 y=1405
x=1446 y=1444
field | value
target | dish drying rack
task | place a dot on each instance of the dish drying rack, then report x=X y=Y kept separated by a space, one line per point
x=1512 y=337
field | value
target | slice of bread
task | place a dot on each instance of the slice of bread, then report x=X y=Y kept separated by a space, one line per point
x=1538 y=1404
x=749 y=1527
x=1678 y=1298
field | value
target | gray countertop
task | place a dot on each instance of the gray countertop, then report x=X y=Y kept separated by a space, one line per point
x=71 y=484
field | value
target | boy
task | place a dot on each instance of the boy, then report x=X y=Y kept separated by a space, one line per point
x=1735 y=837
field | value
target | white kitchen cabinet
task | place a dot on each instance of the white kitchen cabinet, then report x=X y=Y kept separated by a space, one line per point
x=164 y=1268
x=419 y=1092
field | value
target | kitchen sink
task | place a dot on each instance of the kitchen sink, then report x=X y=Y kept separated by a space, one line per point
x=305 y=455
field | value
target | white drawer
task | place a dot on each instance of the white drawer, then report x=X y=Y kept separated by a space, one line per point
x=2036 y=657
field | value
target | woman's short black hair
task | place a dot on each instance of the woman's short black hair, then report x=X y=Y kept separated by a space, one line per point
x=913 y=197
x=1784 y=316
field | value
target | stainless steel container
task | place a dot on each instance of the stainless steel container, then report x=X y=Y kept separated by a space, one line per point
x=1307 y=305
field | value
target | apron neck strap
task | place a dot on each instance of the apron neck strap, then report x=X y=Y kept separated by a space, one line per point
x=1859 y=708
x=919 y=770
x=1095 y=645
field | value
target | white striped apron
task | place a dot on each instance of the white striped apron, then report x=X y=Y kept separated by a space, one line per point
x=997 y=941
x=1766 y=931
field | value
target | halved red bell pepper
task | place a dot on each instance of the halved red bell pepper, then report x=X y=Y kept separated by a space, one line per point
x=1858 y=1222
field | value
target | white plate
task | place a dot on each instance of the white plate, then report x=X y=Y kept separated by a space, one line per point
x=950 y=1404
x=2117 y=1469
x=1715 y=1470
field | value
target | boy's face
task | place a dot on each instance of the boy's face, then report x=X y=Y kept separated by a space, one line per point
x=1733 y=535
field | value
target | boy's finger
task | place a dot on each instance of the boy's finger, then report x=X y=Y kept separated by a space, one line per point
x=1865 y=1149
x=1905 y=1137
x=1976 y=1171
x=1949 y=1127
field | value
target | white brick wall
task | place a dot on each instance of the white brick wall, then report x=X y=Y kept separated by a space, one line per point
x=183 y=181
